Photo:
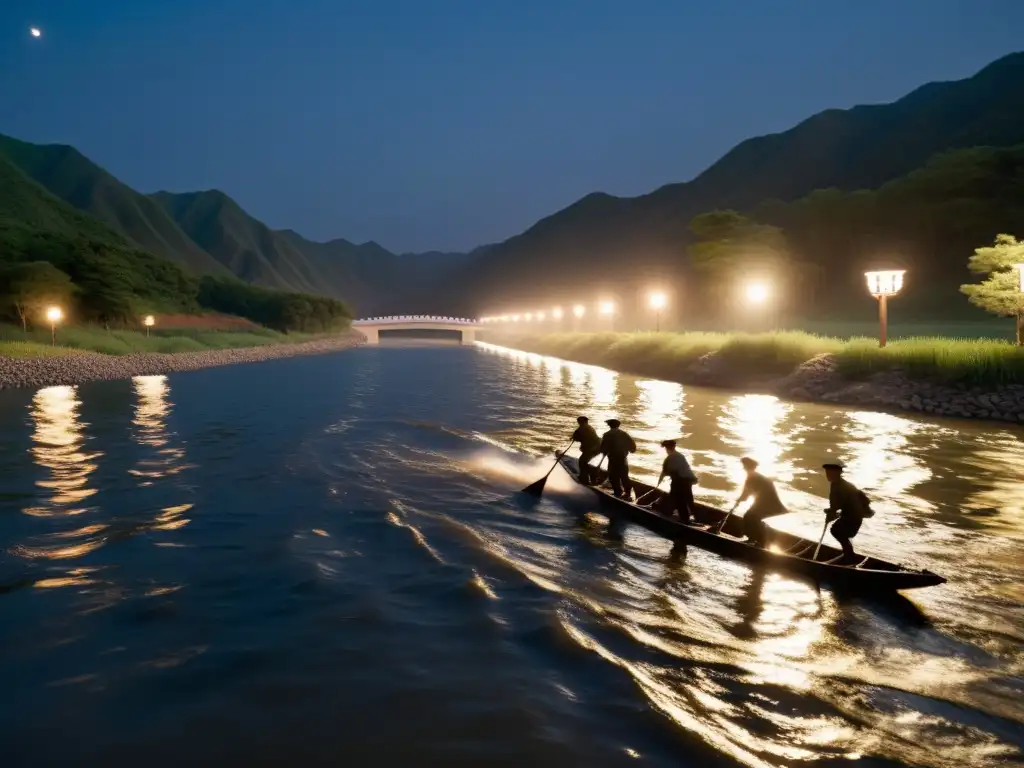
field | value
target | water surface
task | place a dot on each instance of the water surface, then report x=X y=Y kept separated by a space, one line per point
x=323 y=561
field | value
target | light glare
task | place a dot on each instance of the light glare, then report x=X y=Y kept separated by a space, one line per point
x=757 y=293
x=35 y=32
x=607 y=307
x=54 y=314
x=149 y=322
x=658 y=300
x=557 y=311
x=579 y=310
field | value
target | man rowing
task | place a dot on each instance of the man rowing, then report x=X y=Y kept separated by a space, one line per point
x=766 y=503
x=590 y=446
x=848 y=506
x=680 y=493
x=617 y=445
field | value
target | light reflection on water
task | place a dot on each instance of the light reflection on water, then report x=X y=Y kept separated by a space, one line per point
x=397 y=563
x=823 y=678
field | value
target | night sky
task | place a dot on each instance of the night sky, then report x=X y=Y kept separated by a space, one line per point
x=446 y=124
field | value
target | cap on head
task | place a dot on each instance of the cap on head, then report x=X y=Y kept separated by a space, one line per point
x=668 y=443
x=833 y=465
x=748 y=462
x=613 y=423
x=582 y=419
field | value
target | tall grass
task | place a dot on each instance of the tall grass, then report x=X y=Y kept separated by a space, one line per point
x=14 y=342
x=669 y=355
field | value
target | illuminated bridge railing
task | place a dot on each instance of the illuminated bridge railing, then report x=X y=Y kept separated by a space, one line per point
x=415 y=320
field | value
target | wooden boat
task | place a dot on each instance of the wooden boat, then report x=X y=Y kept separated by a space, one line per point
x=787 y=552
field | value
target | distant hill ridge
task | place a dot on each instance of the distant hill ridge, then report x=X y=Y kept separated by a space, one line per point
x=600 y=239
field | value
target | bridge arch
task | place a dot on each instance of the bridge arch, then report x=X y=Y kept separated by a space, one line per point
x=372 y=326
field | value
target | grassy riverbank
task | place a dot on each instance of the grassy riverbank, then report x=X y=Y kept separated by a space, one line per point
x=14 y=342
x=668 y=355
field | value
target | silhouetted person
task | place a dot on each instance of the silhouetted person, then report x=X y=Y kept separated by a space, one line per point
x=617 y=445
x=847 y=503
x=677 y=469
x=590 y=446
x=766 y=503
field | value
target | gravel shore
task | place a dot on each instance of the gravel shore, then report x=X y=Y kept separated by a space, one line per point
x=88 y=366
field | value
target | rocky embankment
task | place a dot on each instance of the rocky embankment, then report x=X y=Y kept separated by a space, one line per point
x=819 y=380
x=79 y=367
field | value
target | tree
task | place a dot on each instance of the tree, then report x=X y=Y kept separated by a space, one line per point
x=1000 y=292
x=31 y=286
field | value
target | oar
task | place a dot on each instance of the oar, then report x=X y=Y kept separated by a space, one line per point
x=824 y=528
x=655 y=488
x=537 y=488
x=727 y=516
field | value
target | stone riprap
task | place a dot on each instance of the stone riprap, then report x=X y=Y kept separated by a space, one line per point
x=80 y=367
x=819 y=380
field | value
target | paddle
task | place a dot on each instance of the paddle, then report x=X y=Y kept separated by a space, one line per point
x=727 y=516
x=823 y=529
x=537 y=488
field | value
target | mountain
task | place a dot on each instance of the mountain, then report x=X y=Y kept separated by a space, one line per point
x=248 y=248
x=368 y=277
x=68 y=174
x=603 y=242
x=209 y=233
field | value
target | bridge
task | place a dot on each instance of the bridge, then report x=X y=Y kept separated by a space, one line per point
x=372 y=326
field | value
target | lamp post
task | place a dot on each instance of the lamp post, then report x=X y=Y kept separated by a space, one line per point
x=556 y=315
x=658 y=301
x=607 y=308
x=1020 y=273
x=149 y=321
x=882 y=285
x=54 y=315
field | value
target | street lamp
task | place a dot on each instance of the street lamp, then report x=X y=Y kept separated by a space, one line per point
x=607 y=308
x=882 y=285
x=54 y=315
x=556 y=313
x=658 y=301
x=529 y=316
x=540 y=315
x=149 y=322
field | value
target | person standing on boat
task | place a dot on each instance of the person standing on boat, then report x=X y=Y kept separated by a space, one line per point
x=617 y=445
x=766 y=503
x=847 y=505
x=677 y=469
x=590 y=446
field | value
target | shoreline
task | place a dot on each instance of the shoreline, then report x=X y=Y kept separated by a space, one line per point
x=819 y=380
x=80 y=367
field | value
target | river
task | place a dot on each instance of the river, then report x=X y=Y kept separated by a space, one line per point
x=324 y=561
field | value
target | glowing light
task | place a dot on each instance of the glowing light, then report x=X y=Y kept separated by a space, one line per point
x=607 y=308
x=579 y=310
x=557 y=311
x=515 y=318
x=658 y=300
x=35 y=32
x=149 y=321
x=885 y=283
x=756 y=293
x=529 y=316
x=540 y=315
x=54 y=314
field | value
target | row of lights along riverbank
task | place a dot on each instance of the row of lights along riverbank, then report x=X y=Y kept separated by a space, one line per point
x=881 y=284
x=55 y=314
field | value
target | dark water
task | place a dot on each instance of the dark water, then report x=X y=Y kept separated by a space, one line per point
x=322 y=561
